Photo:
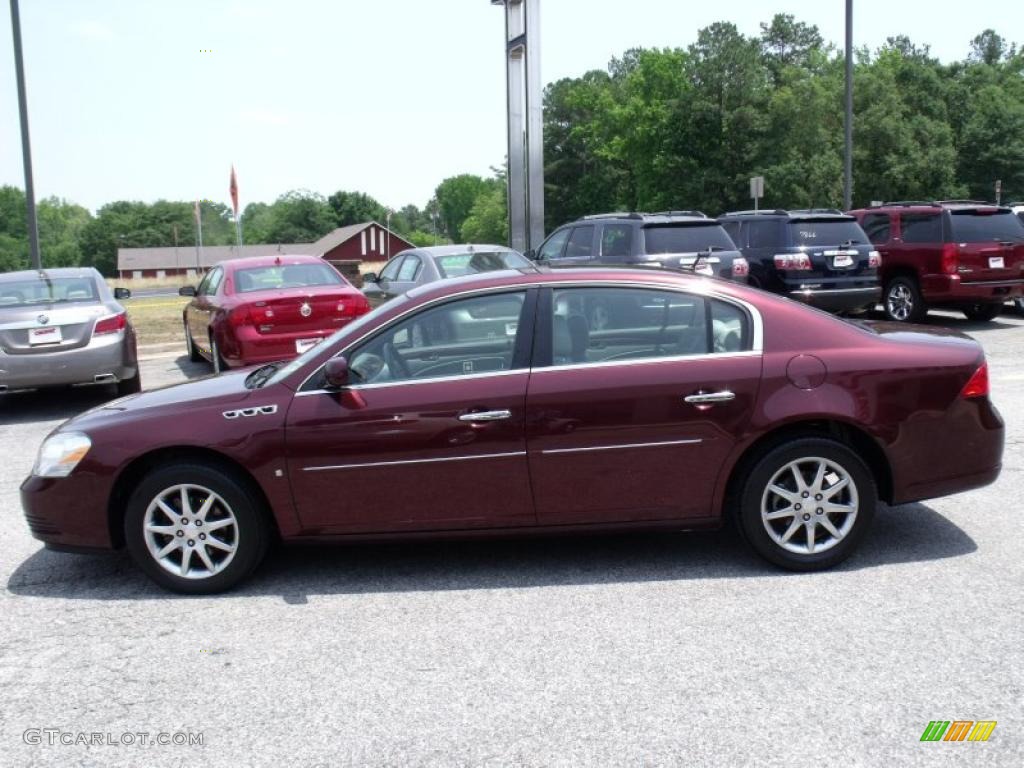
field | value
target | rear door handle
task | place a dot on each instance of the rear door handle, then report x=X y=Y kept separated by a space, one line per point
x=705 y=398
x=486 y=416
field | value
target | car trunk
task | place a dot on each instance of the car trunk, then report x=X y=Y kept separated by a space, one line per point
x=317 y=309
x=837 y=247
x=43 y=328
x=989 y=243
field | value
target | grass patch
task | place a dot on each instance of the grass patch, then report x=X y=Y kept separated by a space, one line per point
x=157 y=320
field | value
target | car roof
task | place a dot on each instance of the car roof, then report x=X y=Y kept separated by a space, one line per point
x=793 y=213
x=659 y=217
x=27 y=274
x=932 y=205
x=458 y=250
x=270 y=261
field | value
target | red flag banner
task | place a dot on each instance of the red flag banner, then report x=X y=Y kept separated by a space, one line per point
x=234 y=190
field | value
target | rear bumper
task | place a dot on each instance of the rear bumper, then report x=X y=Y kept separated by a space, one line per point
x=254 y=348
x=952 y=289
x=838 y=299
x=68 y=513
x=101 y=357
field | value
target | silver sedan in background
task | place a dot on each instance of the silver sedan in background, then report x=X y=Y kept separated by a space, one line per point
x=64 y=326
x=418 y=266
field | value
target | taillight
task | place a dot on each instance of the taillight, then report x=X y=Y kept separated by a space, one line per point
x=950 y=259
x=740 y=267
x=792 y=261
x=111 y=324
x=240 y=316
x=874 y=260
x=977 y=385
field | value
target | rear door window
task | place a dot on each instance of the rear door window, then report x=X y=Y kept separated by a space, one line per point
x=921 y=227
x=976 y=227
x=410 y=269
x=616 y=241
x=762 y=234
x=390 y=271
x=877 y=227
x=732 y=229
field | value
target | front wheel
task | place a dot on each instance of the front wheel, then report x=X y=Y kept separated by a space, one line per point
x=130 y=386
x=982 y=312
x=807 y=504
x=190 y=347
x=903 y=301
x=195 y=529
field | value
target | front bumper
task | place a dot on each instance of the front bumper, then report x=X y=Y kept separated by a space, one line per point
x=952 y=289
x=104 y=357
x=68 y=512
x=838 y=299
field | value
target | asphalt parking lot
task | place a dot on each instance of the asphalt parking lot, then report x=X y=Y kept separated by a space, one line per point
x=680 y=649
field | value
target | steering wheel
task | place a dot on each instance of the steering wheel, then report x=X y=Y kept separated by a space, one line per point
x=396 y=364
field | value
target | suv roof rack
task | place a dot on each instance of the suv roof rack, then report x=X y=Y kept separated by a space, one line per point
x=619 y=215
x=831 y=211
x=909 y=203
x=963 y=202
x=759 y=212
x=697 y=214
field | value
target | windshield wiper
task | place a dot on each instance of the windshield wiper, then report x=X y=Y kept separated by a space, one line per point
x=261 y=375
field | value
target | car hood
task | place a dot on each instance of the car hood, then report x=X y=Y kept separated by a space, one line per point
x=224 y=388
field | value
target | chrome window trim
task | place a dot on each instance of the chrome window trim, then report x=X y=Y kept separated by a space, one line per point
x=706 y=291
x=405 y=382
x=691 y=441
x=414 y=461
x=646 y=361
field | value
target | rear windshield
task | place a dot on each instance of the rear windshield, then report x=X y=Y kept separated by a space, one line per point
x=458 y=264
x=975 y=227
x=686 y=238
x=58 y=290
x=285 y=276
x=827 y=232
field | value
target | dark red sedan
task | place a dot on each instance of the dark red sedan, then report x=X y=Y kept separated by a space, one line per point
x=266 y=308
x=488 y=406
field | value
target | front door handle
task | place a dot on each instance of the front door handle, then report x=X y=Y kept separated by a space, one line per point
x=486 y=416
x=706 y=398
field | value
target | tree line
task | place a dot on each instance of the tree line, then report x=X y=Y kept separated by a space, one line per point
x=659 y=129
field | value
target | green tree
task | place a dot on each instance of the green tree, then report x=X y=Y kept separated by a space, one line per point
x=355 y=208
x=299 y=216
x=455 y=198
x=488 y=218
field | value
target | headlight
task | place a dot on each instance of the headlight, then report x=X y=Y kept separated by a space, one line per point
x=60 y=453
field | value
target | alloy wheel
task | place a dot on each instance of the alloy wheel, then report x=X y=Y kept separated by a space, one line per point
x=899 y=302
x=190 y=531
x=809 y=505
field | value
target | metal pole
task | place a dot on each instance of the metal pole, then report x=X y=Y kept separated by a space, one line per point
x=26 y=149
x=848 y=156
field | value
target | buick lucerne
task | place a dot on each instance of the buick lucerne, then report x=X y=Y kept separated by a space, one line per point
x=487 y=405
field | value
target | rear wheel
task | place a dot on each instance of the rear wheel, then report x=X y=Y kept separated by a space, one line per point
x=190 y=347
x=807 y=503
x=982 y=312
x=903 y=301
x=219 y=364
x=195 y=529
x=130 y=386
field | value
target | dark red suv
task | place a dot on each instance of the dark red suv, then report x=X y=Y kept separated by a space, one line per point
x=960 y=254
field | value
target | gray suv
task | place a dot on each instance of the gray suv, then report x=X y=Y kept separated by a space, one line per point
x=64 y=326
x=676 y=239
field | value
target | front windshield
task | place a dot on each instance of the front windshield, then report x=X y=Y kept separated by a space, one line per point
x=47 y=290
x=355 y=327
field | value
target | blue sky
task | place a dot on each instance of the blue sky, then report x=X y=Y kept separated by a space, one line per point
x=383 y=96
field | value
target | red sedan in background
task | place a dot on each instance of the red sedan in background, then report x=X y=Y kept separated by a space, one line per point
x=265 y=308
x=490 y=405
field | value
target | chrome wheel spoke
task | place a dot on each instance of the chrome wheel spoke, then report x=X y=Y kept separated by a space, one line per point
x=828 y=526
x=778 y=514
x=810 y=536
x=212 y=542
x=789 y=496
x=794 y=526
x=204 y=509
x=167 y=509
x=205 y=557
x=166 y=530
x=216 y=525
x=172 y=545
x=834 y=489
x=186 y=558
x=842 y=509
x=186 y=507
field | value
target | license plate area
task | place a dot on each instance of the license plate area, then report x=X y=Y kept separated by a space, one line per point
x=996 y=262
x=38 y=337
x=303 y=345
x=841 y=259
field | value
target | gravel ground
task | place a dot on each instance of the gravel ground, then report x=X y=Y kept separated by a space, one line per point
x=645 y=649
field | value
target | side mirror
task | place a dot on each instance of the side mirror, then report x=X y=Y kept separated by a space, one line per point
x=187 y=290
x=370 y=277
x=122 y=293
x=531 y=254
x=336 y=373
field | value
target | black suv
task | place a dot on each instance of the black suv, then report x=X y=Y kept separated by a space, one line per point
x=676 y=239
x=819 y=256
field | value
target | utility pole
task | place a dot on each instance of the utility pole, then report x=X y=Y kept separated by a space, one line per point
x=848 y=155
x=26 y=149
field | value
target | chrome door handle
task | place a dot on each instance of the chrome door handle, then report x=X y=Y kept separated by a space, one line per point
x=704 y=398
x=486 y=416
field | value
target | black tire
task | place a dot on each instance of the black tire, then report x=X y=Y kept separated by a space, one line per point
x=249 y=531
x=982 y=311
x=130 y=386
x=219 y=364
x=190 y=347
x=903 y=302
x=754 y=493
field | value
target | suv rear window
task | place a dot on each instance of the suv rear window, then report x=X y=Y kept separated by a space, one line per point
x=827 y=232
x=685 y=238
x=974 y=227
